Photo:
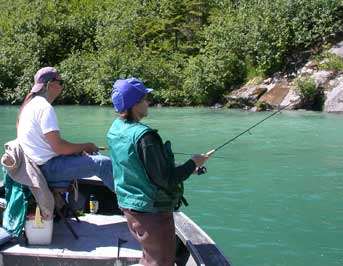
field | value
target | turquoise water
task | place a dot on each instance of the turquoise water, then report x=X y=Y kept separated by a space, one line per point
x=277 y=196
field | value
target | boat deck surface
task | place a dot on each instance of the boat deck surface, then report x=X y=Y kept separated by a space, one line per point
x=99 y=238
x=105 y=240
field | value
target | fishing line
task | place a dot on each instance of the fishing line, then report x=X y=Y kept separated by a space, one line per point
x=102 y=148
x=202 y=170
x=230 y=140
x=248 y=130
x=191 y=154
x=240 y=134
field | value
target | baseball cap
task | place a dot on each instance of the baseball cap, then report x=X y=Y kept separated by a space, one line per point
x=42 y=76
x=127 y=92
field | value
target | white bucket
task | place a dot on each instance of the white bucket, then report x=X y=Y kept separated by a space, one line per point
x=38 y=232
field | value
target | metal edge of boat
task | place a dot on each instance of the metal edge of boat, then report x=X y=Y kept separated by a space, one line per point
x=201 y=247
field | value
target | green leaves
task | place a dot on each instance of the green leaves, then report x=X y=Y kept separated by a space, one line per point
x=306 y=87
x=208 y=77
x=189 y=51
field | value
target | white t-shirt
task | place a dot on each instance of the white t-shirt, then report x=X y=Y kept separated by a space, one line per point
x=37 y=118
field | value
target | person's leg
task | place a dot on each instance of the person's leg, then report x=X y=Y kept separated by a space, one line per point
x=156 y=233
x=60 y=170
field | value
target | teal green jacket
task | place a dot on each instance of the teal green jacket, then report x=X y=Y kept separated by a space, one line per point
x=17 y=198
x=133 y=186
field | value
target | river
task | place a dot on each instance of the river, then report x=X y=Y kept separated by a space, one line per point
x=274 y=197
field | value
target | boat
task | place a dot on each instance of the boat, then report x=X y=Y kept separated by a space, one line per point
x=104 y=238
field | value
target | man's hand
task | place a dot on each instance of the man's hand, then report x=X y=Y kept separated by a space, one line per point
x=90 y=148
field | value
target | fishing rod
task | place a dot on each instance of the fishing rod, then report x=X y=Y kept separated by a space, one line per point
x=232 y=139
x=240 y=134
x=202 y=170
x=253 y=126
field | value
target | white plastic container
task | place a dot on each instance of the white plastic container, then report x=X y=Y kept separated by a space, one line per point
x=38 y=234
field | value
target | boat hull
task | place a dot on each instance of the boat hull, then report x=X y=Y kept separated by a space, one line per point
x=104 y=238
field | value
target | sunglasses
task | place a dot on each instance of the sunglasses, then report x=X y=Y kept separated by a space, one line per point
x=61 y=81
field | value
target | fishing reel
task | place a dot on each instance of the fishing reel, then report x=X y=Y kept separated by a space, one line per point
x=201 y=170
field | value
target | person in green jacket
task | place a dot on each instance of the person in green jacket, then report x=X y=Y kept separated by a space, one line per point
x=148 y=184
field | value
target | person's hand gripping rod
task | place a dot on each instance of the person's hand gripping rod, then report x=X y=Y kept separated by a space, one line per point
x=199 y=160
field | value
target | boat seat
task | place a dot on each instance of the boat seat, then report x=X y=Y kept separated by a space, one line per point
x=62 y=207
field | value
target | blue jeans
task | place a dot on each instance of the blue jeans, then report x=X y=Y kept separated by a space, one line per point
x=61 y=170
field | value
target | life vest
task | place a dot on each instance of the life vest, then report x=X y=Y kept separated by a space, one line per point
x=134 y=189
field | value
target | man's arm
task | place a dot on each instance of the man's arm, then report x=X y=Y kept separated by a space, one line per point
x=63 y=147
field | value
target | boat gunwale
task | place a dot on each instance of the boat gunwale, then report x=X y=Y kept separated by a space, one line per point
x=193 y=237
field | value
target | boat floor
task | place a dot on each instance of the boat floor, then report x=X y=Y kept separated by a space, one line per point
x=100 y=237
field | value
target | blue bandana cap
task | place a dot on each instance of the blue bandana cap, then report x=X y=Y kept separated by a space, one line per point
x=127 y=92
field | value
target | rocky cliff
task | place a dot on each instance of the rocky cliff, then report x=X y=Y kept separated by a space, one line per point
x=318 y=85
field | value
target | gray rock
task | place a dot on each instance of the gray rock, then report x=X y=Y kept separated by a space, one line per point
x=247 y=92
x=267 y=81
x=337 y=50
x=322 y=77
x=334 y=82
x=305 y=70
x=291 y=100
x=276 y=94
x=280 y=89
x=253 y=109
x=334 y=98
x=217 y=106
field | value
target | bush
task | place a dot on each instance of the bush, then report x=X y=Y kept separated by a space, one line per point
x=331 y=62
x=78 y=72
x=264 y=33
x=312 y=97
x=190 y=51
x=208 y=78
x=306 y=87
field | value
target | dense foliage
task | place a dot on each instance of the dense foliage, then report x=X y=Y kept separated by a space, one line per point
x=191 y=51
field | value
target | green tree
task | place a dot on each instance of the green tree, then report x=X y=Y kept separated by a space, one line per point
x=189 y=51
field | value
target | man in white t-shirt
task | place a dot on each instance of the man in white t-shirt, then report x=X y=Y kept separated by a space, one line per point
x=39 y=136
